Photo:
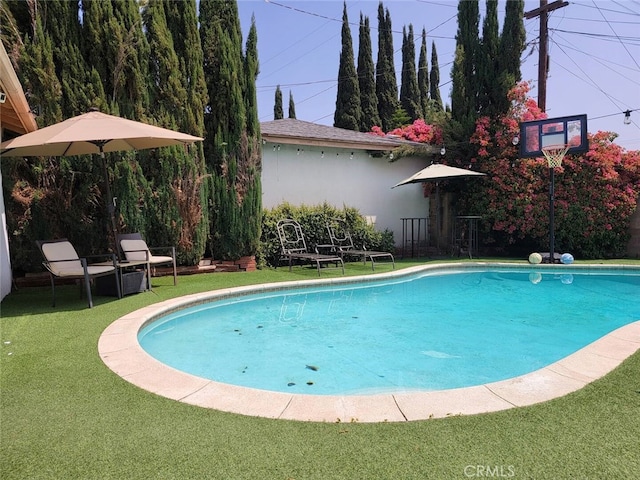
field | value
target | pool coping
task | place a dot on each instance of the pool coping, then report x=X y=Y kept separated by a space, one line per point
x=119 y=349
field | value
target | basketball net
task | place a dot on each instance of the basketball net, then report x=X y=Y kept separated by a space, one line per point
x=554 y=154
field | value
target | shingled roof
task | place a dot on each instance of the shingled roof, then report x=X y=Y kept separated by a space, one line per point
x=293 y=131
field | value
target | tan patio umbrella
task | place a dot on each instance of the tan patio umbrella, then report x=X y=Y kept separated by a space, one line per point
x=435 y=173
x=94 y=132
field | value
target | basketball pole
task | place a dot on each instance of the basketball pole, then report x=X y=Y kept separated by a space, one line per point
x=552 y=235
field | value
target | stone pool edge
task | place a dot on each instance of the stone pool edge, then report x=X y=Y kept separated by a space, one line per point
x=119 y=349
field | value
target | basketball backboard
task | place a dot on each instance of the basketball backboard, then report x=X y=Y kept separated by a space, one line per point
x=538 y=134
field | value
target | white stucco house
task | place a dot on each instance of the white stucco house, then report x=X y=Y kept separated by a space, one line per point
x=304 y=163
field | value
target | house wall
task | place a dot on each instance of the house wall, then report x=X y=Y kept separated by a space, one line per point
x=313 y=175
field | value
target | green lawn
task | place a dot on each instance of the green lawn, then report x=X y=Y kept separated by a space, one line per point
x=65 y=415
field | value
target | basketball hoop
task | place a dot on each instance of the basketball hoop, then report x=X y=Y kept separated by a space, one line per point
x=554 y=154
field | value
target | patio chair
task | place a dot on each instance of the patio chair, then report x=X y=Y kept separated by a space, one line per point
x=294 y=247
x=135 y=251
x=62 y=261
x=342 y=244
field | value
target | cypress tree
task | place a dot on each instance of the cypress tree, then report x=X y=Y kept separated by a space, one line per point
x=38 y=74
x=423 y=76
x=251 y=70
x=348 y=114
x=190 y=189
x=366 y=78
x=409 y=93
x=292 y=106
x=228 y=145
x=278 y=112
x=488 y=73
x=434 y=80
x=464 y=92
x=386 y=83
x=512 y=44
x=250 y=190
x=166 y=166
x=62 y=191
x=64 y=30
x=182 y=21
x=117 y=48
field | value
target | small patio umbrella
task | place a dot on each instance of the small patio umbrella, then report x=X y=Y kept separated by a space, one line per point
x=437 y=171
x=434 y=173
x=94 y=132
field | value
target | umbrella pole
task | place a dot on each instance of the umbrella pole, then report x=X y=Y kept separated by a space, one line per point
x=111 y=208
x=438 y=226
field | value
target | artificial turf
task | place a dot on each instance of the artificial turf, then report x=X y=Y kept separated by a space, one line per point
x=65 y=415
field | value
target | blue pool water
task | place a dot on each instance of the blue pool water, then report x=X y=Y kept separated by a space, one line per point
x=422 y=332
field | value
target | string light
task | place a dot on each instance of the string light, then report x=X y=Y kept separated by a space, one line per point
x=627 y=117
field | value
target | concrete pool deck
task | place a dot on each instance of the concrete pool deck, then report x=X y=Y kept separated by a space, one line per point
x=119 y=349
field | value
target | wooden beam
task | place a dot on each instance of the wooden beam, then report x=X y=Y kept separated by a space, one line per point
x=545 y=8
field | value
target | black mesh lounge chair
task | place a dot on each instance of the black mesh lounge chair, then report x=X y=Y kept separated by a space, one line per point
x=342 y=244
x=135 y=250
x=62 y=261
x=294 y=247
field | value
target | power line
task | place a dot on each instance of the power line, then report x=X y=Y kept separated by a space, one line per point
x=622 y=43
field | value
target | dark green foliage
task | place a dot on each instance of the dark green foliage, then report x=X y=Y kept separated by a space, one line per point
x=278 y=112
x=399 y=119
x=512 y=39
x=250 y=218
x=71 y=69
x=367 y=78
x=423 y=75
x=313 y=220
x=38 y=75
x=491 y=96
x=409 y=93
x=464 y=75
x=189 y=185
x=348 y=113
x=182 y=21
x=434 y=80
x=512 y=44
x=292 y=106
x=232 y=151
x=64 y=196
x=386 y=84
x=117 y=48
x=251 y=70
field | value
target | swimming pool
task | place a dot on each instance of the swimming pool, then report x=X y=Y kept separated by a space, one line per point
x=120 y=350
x=423 y=332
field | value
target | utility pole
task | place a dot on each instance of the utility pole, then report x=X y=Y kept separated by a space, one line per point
x=543 y=48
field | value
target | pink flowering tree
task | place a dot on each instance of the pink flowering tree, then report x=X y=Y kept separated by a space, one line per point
x=595 y=193
x=418 y=131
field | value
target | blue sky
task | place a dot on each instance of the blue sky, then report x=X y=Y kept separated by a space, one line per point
x=594 y=54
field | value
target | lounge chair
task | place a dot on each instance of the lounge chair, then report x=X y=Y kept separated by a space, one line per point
x=135 y=250
x=294 y=246
x=342 y=244
x=62 y=261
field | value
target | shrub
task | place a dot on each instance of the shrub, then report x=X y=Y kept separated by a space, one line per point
x=313 y=220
